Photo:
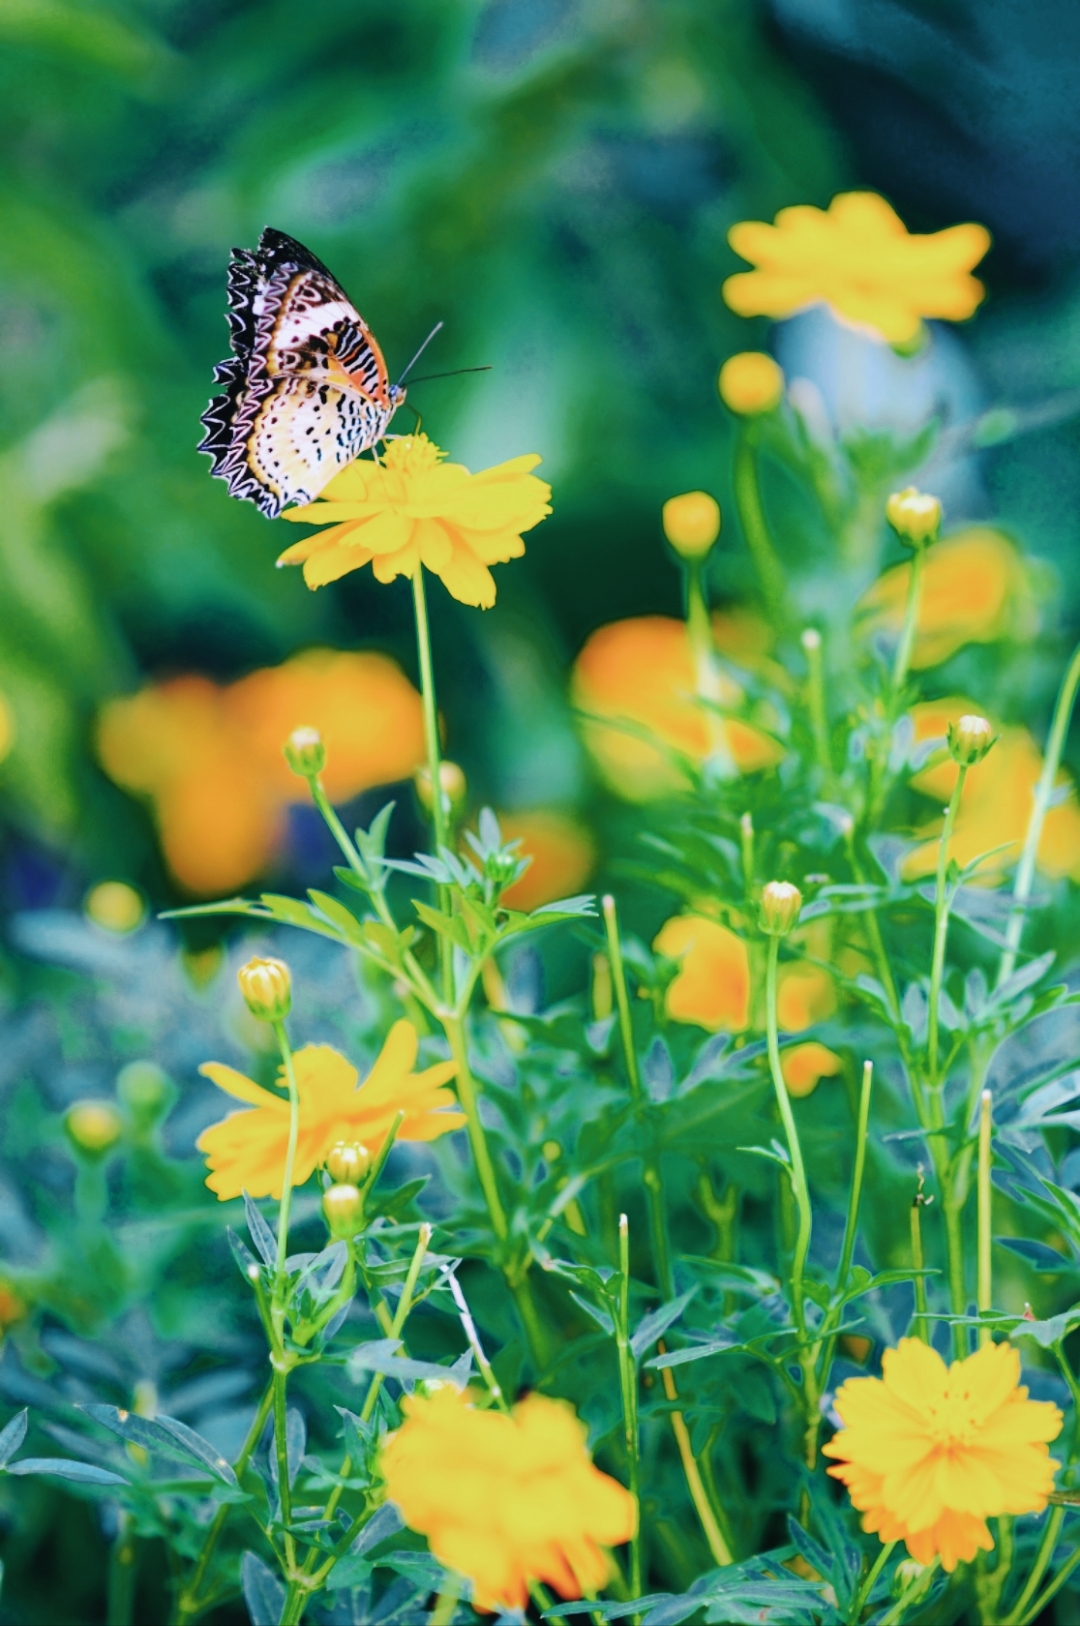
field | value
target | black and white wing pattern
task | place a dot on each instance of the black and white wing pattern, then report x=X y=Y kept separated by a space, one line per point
x=306 y=388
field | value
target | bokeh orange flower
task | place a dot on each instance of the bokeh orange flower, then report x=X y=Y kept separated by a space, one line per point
x=803 y=1066
x=712 y=986
x=996 y=802
x=929 y=1453
x=805 y=995
x=505 y=1500
x=246 y=1151
x=975 y=590
x=209 y=757
x=635 y=682
x=563 y=854
x=858 y=258
x=414 y=509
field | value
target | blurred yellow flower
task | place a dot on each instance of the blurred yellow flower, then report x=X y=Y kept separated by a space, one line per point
x=996 y=802
x=246 y=1151
x=751 y=383
x=804 y=1066
x=7 y=727
x=712 y=987
x=12 y=1307
x=413 y=509
x=858 y=258
x=116 y=906
x=691 y=523
x=805 y=995
x=210 y=758
x=975 y=590
x=563 y=854
x=506 y=1500
x=635 y=679
x=929 y=1453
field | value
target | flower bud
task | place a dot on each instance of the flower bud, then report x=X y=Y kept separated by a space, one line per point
x=780 y=905
x=305 y=752
x=751 y=383
x=93 y=1126
x=691 y=523
x=12 y=1307
x=115 y=906
x=969 y=740
x=267 y=988
x=915 y=517
x=343 y=1210
x=144 y=1089
x=348 y=1161
x=454 y=785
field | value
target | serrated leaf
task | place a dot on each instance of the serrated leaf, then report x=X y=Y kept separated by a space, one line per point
x=337 y=914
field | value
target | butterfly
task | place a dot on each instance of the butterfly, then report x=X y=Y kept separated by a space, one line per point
x=306 y=387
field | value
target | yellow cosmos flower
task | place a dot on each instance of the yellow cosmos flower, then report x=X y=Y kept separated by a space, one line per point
x=712 y=987
x=506 y=1500
x=803 y=1066
x=637 y=678
x=996 y=802
x=858 y=258
x=975 y=590
x=929 y=1453
x=414 y=509
x=246 y=1151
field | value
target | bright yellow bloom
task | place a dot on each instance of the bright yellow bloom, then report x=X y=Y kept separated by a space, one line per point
x=413 y=509
x=635 y=679
x=858 y=258
x=929 y=1453
x=506 y=1500
x=712 y=987
x=995 y=804
x=975 y=590
x=751 y=383
x=246 y=1151
x=803 y=1066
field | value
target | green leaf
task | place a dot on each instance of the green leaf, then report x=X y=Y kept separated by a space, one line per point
x=449 y=926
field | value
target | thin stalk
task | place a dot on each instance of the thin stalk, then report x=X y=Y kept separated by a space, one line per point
x=942 y=905
x=708 y=677
x=746 y=841
x=487 y=1372
x=787 y=1118
x=281 y=1448
x=852 y=1222
x=628 y=1385
x=954 y=1240
x=901 y=666
x=859 y=1601
x=467 y=1095
x=1044 y=790
x=755 y=527
x=286 y=1186
x=431 y=719
x=815 y=699
x=873 y=932
x=984 y=1296
x=920 y=1324
x=1050 y=1591
x=122 y=1559
x=710 y=1523
x=446 y=1603
x=911 y=1593
x=654 y=1185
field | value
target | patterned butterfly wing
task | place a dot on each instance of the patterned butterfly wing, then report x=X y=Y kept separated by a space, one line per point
x=306 y=388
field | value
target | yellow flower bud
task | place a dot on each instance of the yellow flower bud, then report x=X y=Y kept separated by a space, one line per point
x=348 y=1161
x=691 y=523
x=343 y=1210
x=780 y=905
x=914 y=516
x=93 y=1126
x=267 y=988
x=969 y=740
x=116 y=906
x=455 y=786
x=751 y=383
x=305 y=752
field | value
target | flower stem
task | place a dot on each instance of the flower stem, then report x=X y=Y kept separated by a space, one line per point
x=1025 y=870
x=431 y=719
x=281 y=1447
x=755 y=528
x=708 y=677
x=454 y=1028
x=719 y=1546
x=911 y=1593
x=277 y=1303
x=787 y=1118
x=984 y=1291
x=628 y=1385
x=901 y=666
x=852 y=1223
x=654 y=1184
x=815 y=699
x=859 y=1601
x=942 y=905
x=920 y=1326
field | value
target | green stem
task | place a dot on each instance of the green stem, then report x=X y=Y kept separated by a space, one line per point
x=628 y=1385
x=901 y=665
x=278 y=1308
x=188 y=1603
x=852 y=1223
x=281 y=1378
x=122 y=1559
x=920 y=1325
x=942 y=905
x=708 y=677
x=815 y=696
x=431 y=719
x=954 y=1239
x=1044 y=790
x=873 y=932
x=654 y=1184
x=755 y=527
x=859 y=1601
x=454 y=1028
x=709 y=1515
x=787 y=1118
x=1050 y=1591
x=984 y=1297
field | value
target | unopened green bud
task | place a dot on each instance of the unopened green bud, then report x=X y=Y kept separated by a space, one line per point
x=348 y=1161
x=969 y=740
x=93 y=1126
x=343 y=1210
x=267 y=988
x=143 y=1088
x=780 y=905
x=914 y=516
x=454 y=785
x=305 y=752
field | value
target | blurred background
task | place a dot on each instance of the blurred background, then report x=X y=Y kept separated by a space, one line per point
x=553 y=179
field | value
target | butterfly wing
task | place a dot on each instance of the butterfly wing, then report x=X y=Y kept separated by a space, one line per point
x=306 y=388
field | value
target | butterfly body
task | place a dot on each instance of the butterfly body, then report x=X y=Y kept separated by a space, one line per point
x=306 y=388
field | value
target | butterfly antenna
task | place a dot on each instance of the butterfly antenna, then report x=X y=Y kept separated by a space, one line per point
x=419 y=353
x=426 y=378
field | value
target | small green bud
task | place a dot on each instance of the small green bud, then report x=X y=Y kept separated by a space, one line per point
x=266 y=985
x=348 y=1161
x=780 y=905
x=969 y=740
x=914 y=516
x=143 y=1088
x=343 y=1210
x=93 y=1126
x=305 y=752
x=454 y=785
